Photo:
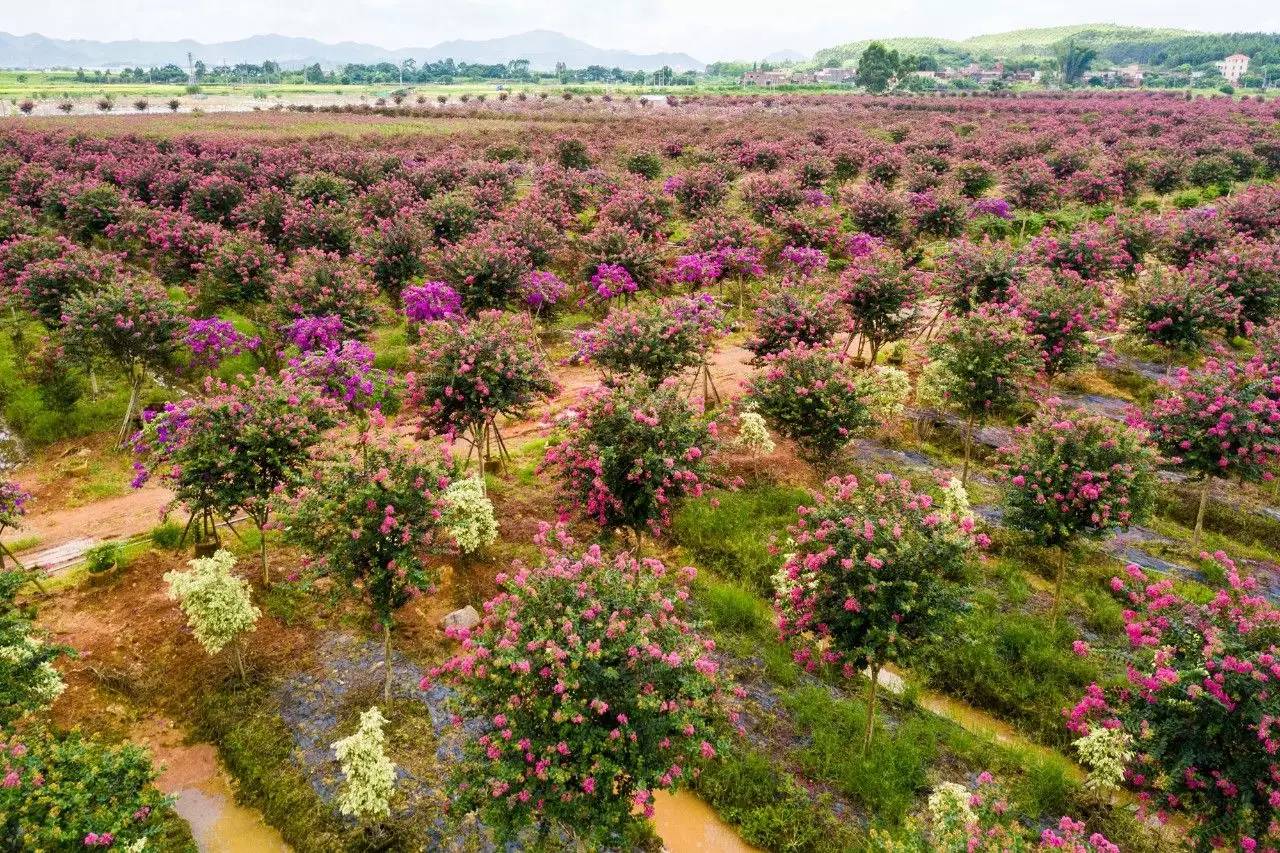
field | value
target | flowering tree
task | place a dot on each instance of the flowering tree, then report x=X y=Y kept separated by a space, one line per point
x=322 y=284
x=880 y=292
x=971 y=274
x=131 y=324
x=369 y=776
x=1071 y=475
x=1178 y=309
x=469 y=516
x=630 y=454
x=790 y=317
x=210 y=341
x=372 y=523
x=216 y=602
x=431 y=300
x=1198 y=717
x=486 y=271
x=1063 y=312
x=28 y=680
x=471 y=373
x=977 y=367
x=13 y=506
x=871 y=572
x=587 y=724
x=1249 y=270
x=753 y=436
x=812 y=396
x=234 y=449
x=981 y=820
x=394 y=250
x=1218 y=421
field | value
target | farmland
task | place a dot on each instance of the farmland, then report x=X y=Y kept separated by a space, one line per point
x=788 y=472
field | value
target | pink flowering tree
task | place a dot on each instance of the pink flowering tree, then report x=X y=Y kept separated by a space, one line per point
x=130 y=324
x=788 y=317
x=320 y=284
x=13 y=507
x=873 y=570
x=1250 y=271
x=1218 y=421
x=371 y=524
x=1064 y=314
x=631 y=453
x=971 y=274
x=978 y=367
x=1072 y=475
x=486 y=271
x=1179 y=309
x=880 y=292
x=812 y=396
x=1200 y=711
x=596 y=690
x=471 y=373
x=234 y=450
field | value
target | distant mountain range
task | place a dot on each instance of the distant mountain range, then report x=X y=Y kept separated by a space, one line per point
x=543 y=49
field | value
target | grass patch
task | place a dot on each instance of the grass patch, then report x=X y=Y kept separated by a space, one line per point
x=733 y=538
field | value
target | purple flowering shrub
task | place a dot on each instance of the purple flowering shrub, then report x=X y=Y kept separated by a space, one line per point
x=584 y=728
x=430 y=301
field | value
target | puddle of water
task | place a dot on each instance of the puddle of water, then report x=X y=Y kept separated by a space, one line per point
x=688 y=825
x=204 y=799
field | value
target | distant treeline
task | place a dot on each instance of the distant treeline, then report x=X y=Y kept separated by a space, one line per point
x=1261 y=48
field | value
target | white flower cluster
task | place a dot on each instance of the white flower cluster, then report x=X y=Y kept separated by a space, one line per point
x=216 y=602
x=950 y=815
x=370 y=775
x=1106 y=752
x=753 y=435
x=885 y=391
x=469 y=516
x=44 y=684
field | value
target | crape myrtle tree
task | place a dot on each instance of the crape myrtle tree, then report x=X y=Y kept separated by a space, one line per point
x=978 y=366
x=28 y=680
x=470 y=373
x=13 y=506
x=234 y=449
x=371 y=524
x=880 y=293
x=1219 y=421
x=1063 y=313
x=873 y=569
x=631 y=453
x=1195 y=729
x=217 y=604
x=790 y=316
x=596 y=689
x=1073 y=475
x=1178 y=310
x=131 y=324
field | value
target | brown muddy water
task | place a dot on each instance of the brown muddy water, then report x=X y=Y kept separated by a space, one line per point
x=688 y=825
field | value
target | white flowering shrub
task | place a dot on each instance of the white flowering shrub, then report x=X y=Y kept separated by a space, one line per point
x=753 y=435
x=950 y=814
x=370 y=775
x=216 y=602
x=885 y=391
x=35 y=682
x=469 y=515
x=1106 y=752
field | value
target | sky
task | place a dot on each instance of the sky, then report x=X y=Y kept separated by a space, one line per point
x=706 y=29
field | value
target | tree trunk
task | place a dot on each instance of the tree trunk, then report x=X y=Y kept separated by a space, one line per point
x=1057 y=585
x=262 y=554
x=135 y=385
x=240 y=662
x=968 y=450
x=1204 y=504
x=871 y=710
x=386 y=661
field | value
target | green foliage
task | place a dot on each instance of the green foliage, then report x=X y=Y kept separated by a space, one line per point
x=28 y=680
x=1073 y=60
x=167 y=535
x=102 y=558
x=217 y=603
x=68 y=791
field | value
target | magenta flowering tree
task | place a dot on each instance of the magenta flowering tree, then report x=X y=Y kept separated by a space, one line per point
x=612 y=280
x=631 y=453
x=1179 y=309
x=801 y=263
x=371 y=523
x=212 y=340
x=876 y=210
x=320 y=284
x=789 y=317
x=132 y=325
x=233 y=450
x=880 y=292
x=584 y=727
x=1249 y=270
x=43 y=285
x=471 y=373
x=1218 y=421
x=1094 y=252
x=311 y=334
x=971 y=274
x=1200 y=709
x=344 y=374
x=811 y=395
x=237 y=269
x=1064 y=313
x=656 y=340
x=1072 y=475
x=542 y=291
x=617 y=246
x=698 y=269
x=873 y=570
x=486 y=271
x=698 y=190
x=394 y=249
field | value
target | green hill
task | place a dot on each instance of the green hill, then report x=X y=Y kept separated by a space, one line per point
x=1156 y=46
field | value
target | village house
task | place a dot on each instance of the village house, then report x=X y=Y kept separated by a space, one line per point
x=778 y=78
x=1233 y=67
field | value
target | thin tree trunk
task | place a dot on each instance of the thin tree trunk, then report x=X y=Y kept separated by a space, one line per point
x=968 y=450
x=135 y=385
x=386 y=661
x=1204 y=504
x=1057 y=585
x=240 y=662
x=871 y=710
x=262 y=555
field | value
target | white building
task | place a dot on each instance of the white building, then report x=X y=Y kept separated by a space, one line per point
x=1233 y=67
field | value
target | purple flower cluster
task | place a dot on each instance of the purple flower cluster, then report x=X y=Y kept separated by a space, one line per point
x=431 y=300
